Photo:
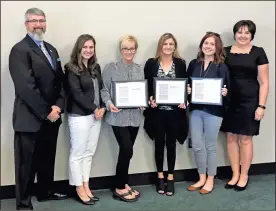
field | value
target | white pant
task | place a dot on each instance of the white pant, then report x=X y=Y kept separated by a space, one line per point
x=84 y=135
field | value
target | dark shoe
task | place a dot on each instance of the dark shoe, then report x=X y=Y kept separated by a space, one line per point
x=25 y=207
x=89 y=202
x=239 y=188
x=228 y=186
x=134 y=191
x=170 y=188
x=95 y=198
x=160 y=186
x=53 y=196
x=121 y=197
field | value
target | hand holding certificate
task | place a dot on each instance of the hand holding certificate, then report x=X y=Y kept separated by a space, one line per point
x=207 y=91
x=152 y=102
x=130 y=94
x=224 y=91
x=170 y=91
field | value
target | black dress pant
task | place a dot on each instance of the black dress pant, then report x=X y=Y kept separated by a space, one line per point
x=126 y=138
x=34 y=154
x=165 y=136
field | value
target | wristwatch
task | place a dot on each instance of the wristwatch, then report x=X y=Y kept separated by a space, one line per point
x=262 y=106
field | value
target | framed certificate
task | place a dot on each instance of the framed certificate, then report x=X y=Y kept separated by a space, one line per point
x=130 y=94
x=169 y=91
x=207 y=91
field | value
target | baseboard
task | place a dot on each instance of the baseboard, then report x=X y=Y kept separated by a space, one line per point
x=223 y=172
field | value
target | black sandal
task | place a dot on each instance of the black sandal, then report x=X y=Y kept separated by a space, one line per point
x=121 y=197
x=133 y=191
x=160 y=186
x=170 y=188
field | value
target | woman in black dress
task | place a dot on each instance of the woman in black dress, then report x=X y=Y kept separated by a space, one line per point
x=248 y=67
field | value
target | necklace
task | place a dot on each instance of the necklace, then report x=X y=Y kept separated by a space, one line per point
x=206 y=71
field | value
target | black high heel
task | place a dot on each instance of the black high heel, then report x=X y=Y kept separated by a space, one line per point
x=95 y=198
x=89 y=202
x=170 y=188
x=229 y=186
x=239 y=188
x=160 y=186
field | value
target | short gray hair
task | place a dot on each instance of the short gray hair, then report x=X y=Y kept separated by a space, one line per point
x=34 y=11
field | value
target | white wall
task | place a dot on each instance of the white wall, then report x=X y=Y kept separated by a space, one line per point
x=107 y=21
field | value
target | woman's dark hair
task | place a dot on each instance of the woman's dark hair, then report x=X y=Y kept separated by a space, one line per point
x=219 y=56
x=250 y=24
x=76 y=65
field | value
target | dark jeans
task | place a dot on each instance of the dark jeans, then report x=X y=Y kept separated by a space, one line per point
x=125 y=137
x=165 y=137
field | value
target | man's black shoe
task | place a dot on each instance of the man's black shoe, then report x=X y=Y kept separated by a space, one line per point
x=53 y=196
x=25 y=207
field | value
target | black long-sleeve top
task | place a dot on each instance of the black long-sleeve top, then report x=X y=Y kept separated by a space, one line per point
x=212 y=71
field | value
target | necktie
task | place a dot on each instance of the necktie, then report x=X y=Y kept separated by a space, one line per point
x=44 y=50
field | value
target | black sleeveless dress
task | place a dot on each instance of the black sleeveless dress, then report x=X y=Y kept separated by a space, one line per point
x=243 y=70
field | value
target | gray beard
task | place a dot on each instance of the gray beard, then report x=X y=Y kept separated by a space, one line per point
x=38 y=36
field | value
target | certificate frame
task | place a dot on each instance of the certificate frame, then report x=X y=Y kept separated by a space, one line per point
x=114 y=94
x=220 y=103
x=185 y=82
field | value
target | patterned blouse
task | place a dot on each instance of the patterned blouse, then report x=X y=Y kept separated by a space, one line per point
x=119 y=71
x=162 y=74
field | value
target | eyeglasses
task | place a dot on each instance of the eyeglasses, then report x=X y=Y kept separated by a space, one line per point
x=36 y=21
x=213 y=33
x=132 y=50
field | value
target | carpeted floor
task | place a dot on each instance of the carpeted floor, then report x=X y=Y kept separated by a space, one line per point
x=259 y=195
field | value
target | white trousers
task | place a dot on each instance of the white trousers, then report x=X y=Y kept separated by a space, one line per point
x=84 y=135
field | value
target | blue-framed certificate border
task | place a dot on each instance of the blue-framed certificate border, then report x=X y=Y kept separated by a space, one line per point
x=207 y=103
x=185 y=80
x=114 y=94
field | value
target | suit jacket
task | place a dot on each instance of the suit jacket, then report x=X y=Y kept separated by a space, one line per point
x=181 y=124
x=37 y=85
x=81 y=93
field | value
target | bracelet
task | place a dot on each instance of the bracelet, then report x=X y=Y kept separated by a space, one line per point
x=262 y=106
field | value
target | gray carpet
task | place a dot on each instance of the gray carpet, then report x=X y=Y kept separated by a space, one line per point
x=259 y=195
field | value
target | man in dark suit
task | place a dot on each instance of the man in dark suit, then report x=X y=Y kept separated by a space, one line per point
x=37 y=75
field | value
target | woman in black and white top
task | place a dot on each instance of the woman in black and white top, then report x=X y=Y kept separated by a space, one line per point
x=85 y=111
x=125 y=122
x=165 y=123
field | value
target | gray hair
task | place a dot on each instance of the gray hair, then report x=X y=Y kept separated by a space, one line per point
x=33 y=11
